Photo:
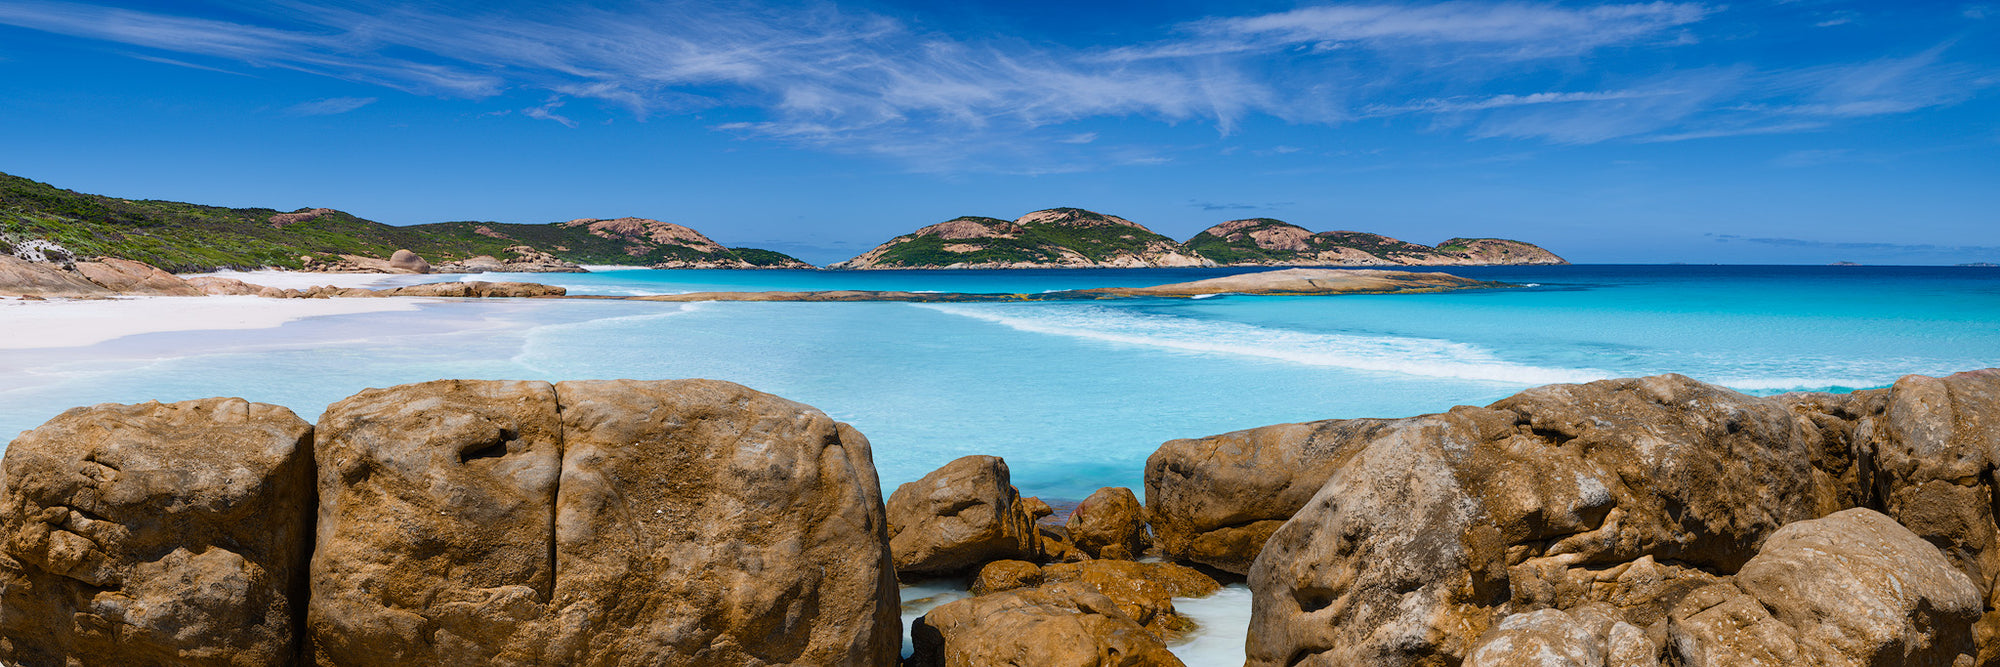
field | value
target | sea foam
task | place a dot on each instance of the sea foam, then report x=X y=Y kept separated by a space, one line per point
x=1376 y=353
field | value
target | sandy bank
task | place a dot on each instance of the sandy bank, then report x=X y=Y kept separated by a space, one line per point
x=60 y=323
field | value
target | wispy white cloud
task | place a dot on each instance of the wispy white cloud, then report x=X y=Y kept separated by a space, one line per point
x=1812 y=157
x=847 y=80
x=548 y=112
x=1505 y=29
x=329 y=106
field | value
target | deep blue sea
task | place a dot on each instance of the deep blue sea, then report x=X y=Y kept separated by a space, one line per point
x=1076 y=395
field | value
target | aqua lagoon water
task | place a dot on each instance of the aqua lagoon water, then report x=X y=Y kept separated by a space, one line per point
x=1076 y=395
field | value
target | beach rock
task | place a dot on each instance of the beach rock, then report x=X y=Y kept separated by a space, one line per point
x=959 y=517
x=1215 y=500
x=404 y=261
x=475 y=289
x=1860 y=589
x=1144 y=591
x=1524 y=504
x=219 y=286
x=1109 y=524
x=1925 y=456
x=1006 y=575
x=603 y=522
x=1588 y=635
x=701 y=522
x=1054 y=625
x=1721 y=626
x=20 y=277
x=521 y=259
x=125 y=276
x=156 y=534
x=436 y=521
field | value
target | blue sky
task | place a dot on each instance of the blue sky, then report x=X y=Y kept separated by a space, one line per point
x=1749 y=132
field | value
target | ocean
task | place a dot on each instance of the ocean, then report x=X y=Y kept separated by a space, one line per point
x=1076 y=395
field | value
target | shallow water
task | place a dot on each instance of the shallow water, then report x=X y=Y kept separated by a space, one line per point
x=1076 y=395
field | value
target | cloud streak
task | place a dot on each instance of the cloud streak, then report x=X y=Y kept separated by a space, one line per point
x=329 y=106
x=830 y=77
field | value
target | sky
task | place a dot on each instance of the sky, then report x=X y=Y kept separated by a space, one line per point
x=1785 y=132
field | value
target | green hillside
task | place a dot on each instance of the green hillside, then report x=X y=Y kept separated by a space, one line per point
x=190 y=237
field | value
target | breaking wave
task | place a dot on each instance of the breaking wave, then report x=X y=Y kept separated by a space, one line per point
x=1387 y=354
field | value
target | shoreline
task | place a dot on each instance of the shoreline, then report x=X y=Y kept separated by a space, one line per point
x=56 y=324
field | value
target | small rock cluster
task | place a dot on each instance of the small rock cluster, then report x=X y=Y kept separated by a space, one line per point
x=1044 y=594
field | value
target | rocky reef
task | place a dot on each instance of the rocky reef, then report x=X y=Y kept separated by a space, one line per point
x=1619 y=523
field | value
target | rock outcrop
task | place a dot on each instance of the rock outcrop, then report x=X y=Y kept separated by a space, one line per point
x=1056 y=625
x=666 y=245
x=156 y=534
x=960 y=517
x=1109 y=524
x=1269 y=242
x=1678 y=506
x=520 y=259
x=450 y=522
x=1052 y=238
x=1215 y=500
x=88 y=279
x=408 y=262
x=1851 y=589
x=694 y=521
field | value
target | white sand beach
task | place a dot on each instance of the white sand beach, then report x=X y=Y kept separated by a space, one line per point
x=58 y=323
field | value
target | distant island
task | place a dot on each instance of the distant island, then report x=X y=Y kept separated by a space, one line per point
x=182 y=237
x=1076 y=238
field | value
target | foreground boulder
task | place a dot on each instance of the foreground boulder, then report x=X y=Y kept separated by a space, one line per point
x=156 y=534
x=1144 y=591
x=617 y=522
x=404 y=261
x=1054 y=625
x=1430 y=529
x=1855 y=588
x=959 y=517
x=1215 y=500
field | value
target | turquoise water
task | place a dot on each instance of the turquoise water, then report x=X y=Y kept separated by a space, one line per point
x=1076 y=395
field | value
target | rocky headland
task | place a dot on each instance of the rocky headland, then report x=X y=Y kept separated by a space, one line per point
x=1649 y=521
x=1269 y=242
x=1076 y=238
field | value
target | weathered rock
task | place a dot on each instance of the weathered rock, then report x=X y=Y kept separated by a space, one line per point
x=473 y=289
x=1721 y=626
x=405 y=261
x=1054 y=625
x=1862 y=590
x=1588 y=635
x=1144 y=591
x=701 y=522
x=959 y=517
x=1411 y=548
x=1215 y=500
x=156 y=534
x=20 y=277
x=125 y=276
x=1109 y=524
x=1006 y=575
x=436 y=522
x=695 y=522
x=219 y=286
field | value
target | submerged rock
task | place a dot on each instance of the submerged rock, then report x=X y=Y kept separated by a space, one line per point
x=959 y=517
x=156 y=534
